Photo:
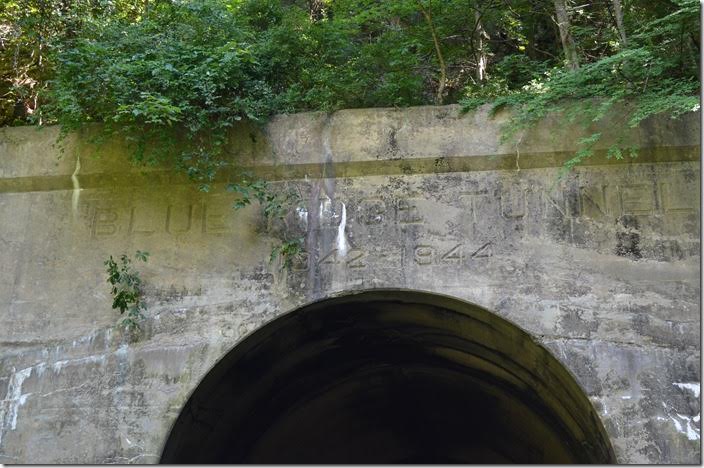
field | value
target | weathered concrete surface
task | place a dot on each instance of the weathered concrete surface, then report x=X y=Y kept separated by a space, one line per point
x=602 y=266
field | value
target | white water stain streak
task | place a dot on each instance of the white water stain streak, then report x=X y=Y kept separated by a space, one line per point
x=326 y=209
x=302 y=214
x=341 y=239
x=686 y=426
x=13 y=400
x=98 y=358
x=76 y=186
x=691 y=386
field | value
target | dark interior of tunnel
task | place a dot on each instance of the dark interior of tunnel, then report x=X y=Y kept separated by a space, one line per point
x=388 y=377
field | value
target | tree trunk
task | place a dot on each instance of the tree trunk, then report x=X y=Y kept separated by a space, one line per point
x=618 y=14
x=481 y=50
x=438 y=51
x=568 y=44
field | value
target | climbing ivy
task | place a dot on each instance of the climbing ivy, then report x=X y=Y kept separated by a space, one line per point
x=171 y=84
x=276 y=206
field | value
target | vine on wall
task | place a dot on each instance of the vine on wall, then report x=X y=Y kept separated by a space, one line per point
x=127 y=292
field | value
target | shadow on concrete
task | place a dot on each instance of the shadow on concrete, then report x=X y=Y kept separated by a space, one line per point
x=388 y=376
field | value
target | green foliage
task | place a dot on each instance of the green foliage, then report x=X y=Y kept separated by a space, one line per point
x=126 y=288
x=288 y=250
x=175 y=80
x=275 y=207
x=653 y=75
x=172 y=77
x=32 y=33
x=585 y=151
x=172 y=83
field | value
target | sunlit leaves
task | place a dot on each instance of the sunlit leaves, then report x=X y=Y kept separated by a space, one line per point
x=126 y=288
x=173 y=77
x=654 y=75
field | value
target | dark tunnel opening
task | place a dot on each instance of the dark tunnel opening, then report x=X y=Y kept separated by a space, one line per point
x=388 y=377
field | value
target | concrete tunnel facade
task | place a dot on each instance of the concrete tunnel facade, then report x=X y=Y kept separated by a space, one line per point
x=456 y=301
x=388 y=376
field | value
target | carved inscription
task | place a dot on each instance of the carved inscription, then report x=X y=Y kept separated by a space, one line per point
x=372 y=211
x=513 y=202
x=329 y=258
x=408 y=212
x=179 y=218
x=214 y=219
x=423 y=254
x=426 y=254
x=453 y=256
x=104 y=222
x=354 y=259
x=637 y=199
x=142 y=221
x=593 y=201
x=473 y=200
x=550 y=204
x=675 y=199
x=484 y=251
x=484 y=210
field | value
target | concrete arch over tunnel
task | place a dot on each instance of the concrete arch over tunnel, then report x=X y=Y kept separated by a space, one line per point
x=388 y=376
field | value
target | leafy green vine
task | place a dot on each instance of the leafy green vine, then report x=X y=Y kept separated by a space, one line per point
x=275 y=206
x=126 y=289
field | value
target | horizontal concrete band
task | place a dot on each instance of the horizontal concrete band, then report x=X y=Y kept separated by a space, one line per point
x=350 y=143
x=274 y=172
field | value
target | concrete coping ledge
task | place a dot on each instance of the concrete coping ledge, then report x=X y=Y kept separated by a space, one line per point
x=349 y=143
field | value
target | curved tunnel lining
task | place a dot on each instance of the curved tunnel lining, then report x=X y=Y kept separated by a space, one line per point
x=388 y=376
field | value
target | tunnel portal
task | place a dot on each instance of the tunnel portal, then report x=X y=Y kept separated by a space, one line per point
x=388 y=377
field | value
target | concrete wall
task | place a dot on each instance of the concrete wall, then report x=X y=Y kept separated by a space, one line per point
x=601 y=266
